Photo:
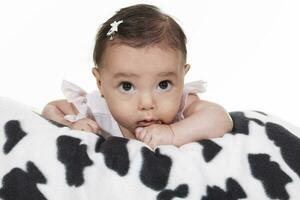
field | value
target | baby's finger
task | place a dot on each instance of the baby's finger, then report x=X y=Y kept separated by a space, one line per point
x=147 y=138
x=88 y=128
x=94 y=126
x=84 y=127
x=138 y=132
x=152 y=144
x=141 y=135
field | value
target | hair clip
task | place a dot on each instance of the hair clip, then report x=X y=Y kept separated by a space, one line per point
x=113 y=29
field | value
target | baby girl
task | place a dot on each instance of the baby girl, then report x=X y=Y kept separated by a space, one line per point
x=140 y=65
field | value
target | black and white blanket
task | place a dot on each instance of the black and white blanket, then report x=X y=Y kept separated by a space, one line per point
x=39 y=160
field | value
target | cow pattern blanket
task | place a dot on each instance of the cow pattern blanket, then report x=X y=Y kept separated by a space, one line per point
x=39 y=159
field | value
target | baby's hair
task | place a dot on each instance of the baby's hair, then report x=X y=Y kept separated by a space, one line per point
x=142 y=25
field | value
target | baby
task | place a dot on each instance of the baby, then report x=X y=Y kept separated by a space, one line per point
x=140 y=58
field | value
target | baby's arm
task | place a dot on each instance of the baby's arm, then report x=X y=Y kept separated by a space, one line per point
x=56 y=110
x=202 y=120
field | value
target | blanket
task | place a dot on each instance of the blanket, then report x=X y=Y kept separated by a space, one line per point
x=40 y=159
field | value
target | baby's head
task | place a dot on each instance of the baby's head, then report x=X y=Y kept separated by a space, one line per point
x=140 y=66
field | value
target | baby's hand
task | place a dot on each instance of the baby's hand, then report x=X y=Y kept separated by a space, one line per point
x=155 y=134
x=86 y=125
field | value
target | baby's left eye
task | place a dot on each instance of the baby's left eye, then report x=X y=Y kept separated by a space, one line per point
x=164 y=85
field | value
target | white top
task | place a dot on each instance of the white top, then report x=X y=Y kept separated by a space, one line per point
x=92 y=105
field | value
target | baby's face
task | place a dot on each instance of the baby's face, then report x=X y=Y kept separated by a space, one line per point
x=142 y=86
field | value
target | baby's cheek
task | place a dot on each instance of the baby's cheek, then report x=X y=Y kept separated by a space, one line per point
x=117 y=108
x=122 y=111
x=168 y=110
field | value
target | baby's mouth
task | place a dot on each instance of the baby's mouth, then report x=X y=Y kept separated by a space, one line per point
x=144 y=123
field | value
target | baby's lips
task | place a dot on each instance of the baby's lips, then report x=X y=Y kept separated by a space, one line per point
x=144 y=123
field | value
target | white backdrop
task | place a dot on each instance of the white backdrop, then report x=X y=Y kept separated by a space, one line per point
x=247 y=51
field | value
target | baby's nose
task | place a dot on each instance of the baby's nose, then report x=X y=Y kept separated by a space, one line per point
x=146 y=102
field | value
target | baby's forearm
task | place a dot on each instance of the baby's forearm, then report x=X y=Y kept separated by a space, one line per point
x=210 y=122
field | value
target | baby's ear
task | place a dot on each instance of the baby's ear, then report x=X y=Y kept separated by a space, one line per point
x=186 y=68
x=96 y=74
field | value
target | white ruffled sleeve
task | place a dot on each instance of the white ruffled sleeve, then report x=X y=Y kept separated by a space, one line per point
x=195 y=87
x=77 y=96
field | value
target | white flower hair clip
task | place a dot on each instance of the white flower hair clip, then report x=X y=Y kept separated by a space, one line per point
x=113 y=29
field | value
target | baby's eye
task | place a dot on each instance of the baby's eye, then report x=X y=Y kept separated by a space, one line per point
x=164 y=85
x=126 y=87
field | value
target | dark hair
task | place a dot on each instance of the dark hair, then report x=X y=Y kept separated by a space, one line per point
x=142 y=25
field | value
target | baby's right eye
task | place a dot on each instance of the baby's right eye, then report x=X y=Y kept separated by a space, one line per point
x=126 y=87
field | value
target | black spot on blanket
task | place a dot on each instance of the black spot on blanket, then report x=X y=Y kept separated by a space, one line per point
x=99 y=142
x=269 y=173
x=181 y=191
x=234 y=191
x=288 y=143
x=74 y=156
x=241 y=123
x=14 y=134
x=21 y=185
x=115 y=154
x=155 y=169
x=210 y=149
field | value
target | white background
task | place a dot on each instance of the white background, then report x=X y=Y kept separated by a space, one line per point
x=247 y=51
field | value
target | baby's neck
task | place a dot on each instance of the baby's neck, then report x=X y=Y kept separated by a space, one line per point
x=126 y=133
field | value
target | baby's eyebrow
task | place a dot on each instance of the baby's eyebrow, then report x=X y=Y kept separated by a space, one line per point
x=129 y=75
x=123 y=74
x=167 y=74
